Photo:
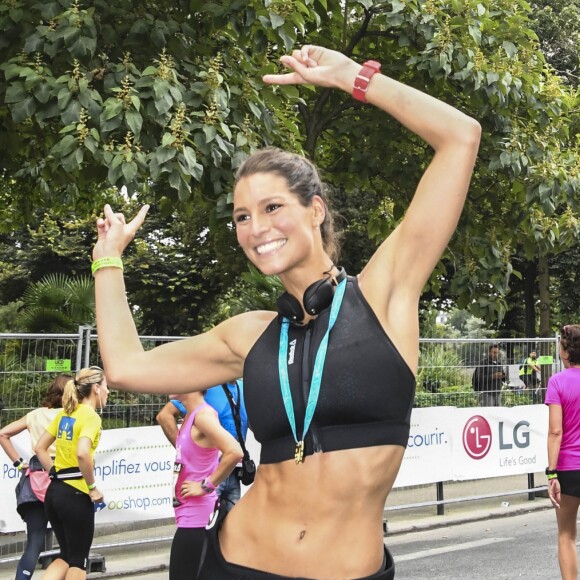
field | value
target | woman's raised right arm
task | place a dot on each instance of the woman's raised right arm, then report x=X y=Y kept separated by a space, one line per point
x=196 y=363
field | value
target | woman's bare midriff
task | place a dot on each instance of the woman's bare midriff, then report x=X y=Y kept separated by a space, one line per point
x=319 y=519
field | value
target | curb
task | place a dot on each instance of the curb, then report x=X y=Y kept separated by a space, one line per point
x=125 y=573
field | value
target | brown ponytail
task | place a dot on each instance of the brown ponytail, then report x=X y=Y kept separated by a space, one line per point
x=80 y=387
x=53 y=396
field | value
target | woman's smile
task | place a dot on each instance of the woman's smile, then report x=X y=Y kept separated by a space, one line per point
x=270 y=247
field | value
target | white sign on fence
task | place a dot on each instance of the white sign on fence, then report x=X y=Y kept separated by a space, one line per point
x=133 y=468
x=428 y=456
x=497 y=441
x=451 y=444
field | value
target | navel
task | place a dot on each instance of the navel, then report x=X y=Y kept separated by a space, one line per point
x=302 y=534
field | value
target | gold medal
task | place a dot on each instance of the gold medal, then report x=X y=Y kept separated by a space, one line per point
x=299 y=452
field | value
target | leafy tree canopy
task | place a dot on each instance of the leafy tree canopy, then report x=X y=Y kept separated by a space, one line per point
x=154 y=96
x=557 y=23
x=166 y=99
x=174 y=271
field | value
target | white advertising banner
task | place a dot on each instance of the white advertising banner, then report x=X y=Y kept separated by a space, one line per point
x=133 y=468
x=448 y=443
x=498 y=441
x=10 y=521
x=427 y=458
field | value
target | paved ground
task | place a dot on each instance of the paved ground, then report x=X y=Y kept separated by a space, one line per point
x=151 y=556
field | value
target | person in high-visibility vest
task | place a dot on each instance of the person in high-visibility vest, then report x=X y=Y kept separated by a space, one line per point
x=530 y=374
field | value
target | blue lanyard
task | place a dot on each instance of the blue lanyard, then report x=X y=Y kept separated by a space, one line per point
x=316 y=373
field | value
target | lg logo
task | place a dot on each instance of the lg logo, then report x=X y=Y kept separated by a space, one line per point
x=477 y=437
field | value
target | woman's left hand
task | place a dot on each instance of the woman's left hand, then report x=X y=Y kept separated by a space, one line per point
x=191 y=489
x=554 y=492
x=317 y=66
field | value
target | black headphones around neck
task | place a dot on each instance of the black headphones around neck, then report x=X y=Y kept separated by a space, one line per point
x=317 y=297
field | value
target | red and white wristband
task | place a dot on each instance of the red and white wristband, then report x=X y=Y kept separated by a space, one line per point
x=363 y=78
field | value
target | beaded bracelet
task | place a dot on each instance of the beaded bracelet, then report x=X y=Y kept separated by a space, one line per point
x=108 y=262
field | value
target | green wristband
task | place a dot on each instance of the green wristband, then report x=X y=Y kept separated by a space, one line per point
x=108 y=262
x=91 y=486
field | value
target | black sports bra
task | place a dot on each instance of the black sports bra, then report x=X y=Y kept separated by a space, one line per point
x=367 y=389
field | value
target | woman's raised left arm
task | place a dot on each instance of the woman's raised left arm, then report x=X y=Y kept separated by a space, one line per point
x=404 y=262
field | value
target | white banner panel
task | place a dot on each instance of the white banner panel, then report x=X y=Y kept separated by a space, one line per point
x=498 y=441
x=134 y=470
x=427 y=458
x=10 y=521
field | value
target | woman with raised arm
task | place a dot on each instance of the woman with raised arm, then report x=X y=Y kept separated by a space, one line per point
x=329 y=379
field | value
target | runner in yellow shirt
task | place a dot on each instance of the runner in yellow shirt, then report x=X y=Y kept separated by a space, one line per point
x=73 y=491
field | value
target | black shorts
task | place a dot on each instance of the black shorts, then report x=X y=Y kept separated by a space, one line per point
x=213 y=564
x=570 y=482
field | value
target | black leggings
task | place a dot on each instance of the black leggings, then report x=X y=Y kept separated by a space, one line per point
x=72 y=516
x=33 y=514
x=214 y=565
x=186 y=553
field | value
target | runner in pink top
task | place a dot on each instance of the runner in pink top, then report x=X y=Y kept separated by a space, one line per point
x=197 y=463
x=199 y=443
x=563 y=471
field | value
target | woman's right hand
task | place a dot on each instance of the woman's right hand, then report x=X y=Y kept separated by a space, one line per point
x=114 y=234
x=554 y=492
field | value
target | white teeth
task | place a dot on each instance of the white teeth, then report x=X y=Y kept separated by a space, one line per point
x=270 y=246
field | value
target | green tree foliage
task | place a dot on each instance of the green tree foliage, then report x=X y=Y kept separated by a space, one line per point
x=557 y=23
x=8 y=316
x=162 y=96
x=58 y=303
x=166 y=99
x=558 y=27
x=253 y=291
x=174 y=271
x=484 y=58
x=565 y=277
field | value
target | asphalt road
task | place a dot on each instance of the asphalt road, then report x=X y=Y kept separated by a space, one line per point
x=521 y=546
